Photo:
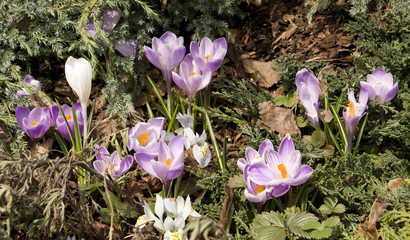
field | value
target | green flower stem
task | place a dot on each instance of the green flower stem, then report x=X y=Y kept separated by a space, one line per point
x=111 y=207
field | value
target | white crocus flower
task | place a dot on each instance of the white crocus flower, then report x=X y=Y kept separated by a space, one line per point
x=201 y=150
x=177 y=211
x=79 y=73
x=186 y=122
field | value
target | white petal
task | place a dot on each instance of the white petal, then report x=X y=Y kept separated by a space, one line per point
x=159 y=207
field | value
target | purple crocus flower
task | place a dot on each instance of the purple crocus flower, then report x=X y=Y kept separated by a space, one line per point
x=166 y=53
x=261 y=193
x=170 y=160
x=127 y=48
x=353 y=113
x=283 y=167
x=209 y=55
x=380 y=83
x=308 y=90
x=115 y=166
x=190 y=77
x=143 y=137
x=28 y=80
x=110 y=20
x=35 y=122
x=58 y=119
x=252 y=155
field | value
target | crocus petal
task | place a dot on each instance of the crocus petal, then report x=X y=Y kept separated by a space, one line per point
x=262 y=175
x=241 y=163
x=144 y=160
x=127 y=48
x=111 y=17
x=99 y=166
x=369 y=89
x=304 y=174
x=392 y=93
x=22 y=113
x=280 y=190
x=286 y=146
x=159 y=206
x=152 y=57
x=267 y=144
x=161 y=170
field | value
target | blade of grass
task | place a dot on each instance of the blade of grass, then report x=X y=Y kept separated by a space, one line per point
x=160 y=99
x=333 y=138
x=341 y=127
x=91 y=115
x=61 y=143
x=149 y=110
x=171 y=122
x=214 y=142
x=76 y=129
x=359 y=137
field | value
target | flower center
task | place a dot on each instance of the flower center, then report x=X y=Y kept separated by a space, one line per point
x=203 y=150
x=111 y=166
x=351 y=109
x=282 y=169
x=168 y=162
x=68 y=117
x=208 y=58
x=259 y=189
x=143 y=139
x=34 y=123
x=379 y=83
x=175 y=237
x=193 y=73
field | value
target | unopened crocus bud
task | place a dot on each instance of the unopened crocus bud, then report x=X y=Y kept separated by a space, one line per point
x=308 y=90
x=380 y=83
x=79 y=74
x=35 y=122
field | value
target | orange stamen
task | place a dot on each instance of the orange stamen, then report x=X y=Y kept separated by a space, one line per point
x=379 y=83
x=259 y=189
x=168 y=162
x=282 y=169
x=208 y=58
x=193 y=73
x=112 y=166
x=143 y=139
x=34 y=123
x=68 y=117
x=351 y=109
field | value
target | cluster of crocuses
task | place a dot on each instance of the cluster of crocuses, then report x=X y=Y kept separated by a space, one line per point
x=196 y=68
x=29 y=81
x=110 y=20
x=270 y=173
x=379 y=84
x=36 y=122
x=176 y=212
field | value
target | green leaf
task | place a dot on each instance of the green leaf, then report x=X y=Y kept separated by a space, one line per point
x=302 y=121
x=340 y=208
x=312 y=225
x=318 y=138
x=286 y=101
x=237 y=181
x=320 y=234
x=296 y=220
x=330 y=206
x=270 y=224
x=331 y=222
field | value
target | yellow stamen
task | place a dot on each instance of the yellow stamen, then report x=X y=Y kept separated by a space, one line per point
x=143 y=139
x=282 y=169
x=175 y=237
x=203 y=151
x=379 y=83
x=259 y=189
x=111 y=166
x=193 y=73
x=34 y=123
x=68 y=117
x=208 y=58
x=351 y=109
x=168 y=162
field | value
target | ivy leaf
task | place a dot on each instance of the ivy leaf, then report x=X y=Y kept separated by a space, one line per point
x=267 y=225
x=296 y=220
x=237 y=181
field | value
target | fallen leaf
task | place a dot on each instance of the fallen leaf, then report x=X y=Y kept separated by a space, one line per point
x=262 y=72
x=326 y=114
x=278 y=119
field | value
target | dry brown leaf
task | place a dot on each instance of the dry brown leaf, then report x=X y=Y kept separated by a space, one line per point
x=326 y=71
x=326 y=114
x=262 y=72
x=369 y=228
x=278 y=119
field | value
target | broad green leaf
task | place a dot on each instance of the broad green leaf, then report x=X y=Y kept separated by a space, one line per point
x=318 y=138
x=286 y=101
x=312 y=225
x=296 y=220
x=320 y=234
x=269 y=233
x=237 y=181
x=340 y=208
x=301 y=121
x=268 y=225
x=331 y=222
